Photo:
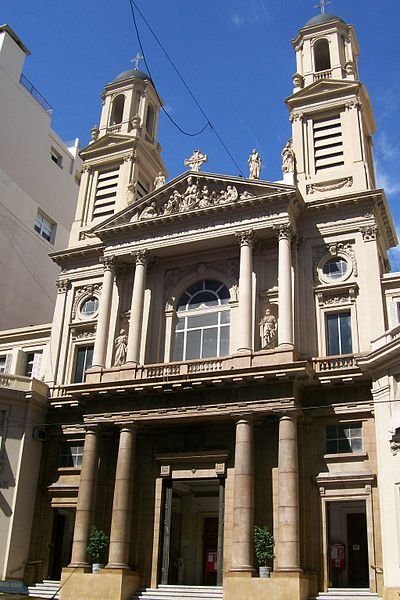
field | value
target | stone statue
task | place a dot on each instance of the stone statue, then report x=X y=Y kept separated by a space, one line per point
x=131 y=192
x=149 y=212
x=190 y=197
x=255 y=165
x=288 y=158
x=120 y=348
x=269 y=329
x=159 y=181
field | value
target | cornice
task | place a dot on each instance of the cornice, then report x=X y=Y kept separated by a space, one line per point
x=77 y=253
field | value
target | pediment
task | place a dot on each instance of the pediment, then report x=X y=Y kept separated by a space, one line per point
x=325 y=86
x=194 y=193
x=106 y=142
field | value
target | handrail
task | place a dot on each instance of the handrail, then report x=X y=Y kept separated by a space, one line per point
x=36 y=94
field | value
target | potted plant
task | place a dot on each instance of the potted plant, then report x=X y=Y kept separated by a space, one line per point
x=96 y=548
x=264 y=543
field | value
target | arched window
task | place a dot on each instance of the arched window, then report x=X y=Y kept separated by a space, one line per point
x=322 y=56
x=150 y=118
x=202 y=321
x=117 y=110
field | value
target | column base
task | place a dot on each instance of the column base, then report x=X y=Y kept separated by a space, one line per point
x=289 y=570
x=79 y=565
x=118 y=566
x=118 y=584
x=243 y=571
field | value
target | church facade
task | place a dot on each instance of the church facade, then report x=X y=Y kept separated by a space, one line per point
x=212 y=364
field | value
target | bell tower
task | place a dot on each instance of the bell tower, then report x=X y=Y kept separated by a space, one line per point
x=330 y=111
x=124 y=157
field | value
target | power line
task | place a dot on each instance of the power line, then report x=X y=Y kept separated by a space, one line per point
x=134 y=6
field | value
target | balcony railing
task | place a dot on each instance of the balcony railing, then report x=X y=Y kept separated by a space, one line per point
x=323 y=75
x=36 y=94
x=386 y=338
x=328 y=364
x=24 y=384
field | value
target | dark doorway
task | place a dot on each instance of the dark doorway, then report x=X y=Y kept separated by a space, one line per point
x=357 y=550
x=61 y=543
x=192 y=532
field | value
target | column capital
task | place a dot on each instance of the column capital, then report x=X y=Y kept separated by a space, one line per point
x=109 y=262
x=284 y=231
x=246 y=238
x=63 y=286
x=132 y=427
x=141 y=257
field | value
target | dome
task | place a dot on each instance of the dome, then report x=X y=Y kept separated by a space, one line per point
x=322 y=18
x=131 y=73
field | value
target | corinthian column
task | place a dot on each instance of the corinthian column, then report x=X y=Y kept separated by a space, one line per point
x=103 y=320
x=135 y=323
x=122 y=504
x=288 y=496
x=243 y=499
x=83 y=518
x=245 y=338
x=285 y=322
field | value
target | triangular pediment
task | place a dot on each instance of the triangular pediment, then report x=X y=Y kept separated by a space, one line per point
x=106 y=142
x=193 y=193
x=325 y=86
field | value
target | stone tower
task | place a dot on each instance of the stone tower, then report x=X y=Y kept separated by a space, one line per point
x=124 y=157
x=332 y=120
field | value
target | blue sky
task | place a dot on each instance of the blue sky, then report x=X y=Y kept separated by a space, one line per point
x=235 y=55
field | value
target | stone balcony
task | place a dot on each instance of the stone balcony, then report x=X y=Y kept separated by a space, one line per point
x=23 y=384
x=269 y=366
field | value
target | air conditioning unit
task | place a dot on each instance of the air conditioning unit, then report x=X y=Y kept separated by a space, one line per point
x=39 y=433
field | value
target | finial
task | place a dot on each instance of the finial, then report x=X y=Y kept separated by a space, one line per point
x=136 y=60
x=196 y=160
x=322 y=4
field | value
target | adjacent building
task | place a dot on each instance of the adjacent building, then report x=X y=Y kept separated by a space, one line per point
x=39 y=181
x=214 y=364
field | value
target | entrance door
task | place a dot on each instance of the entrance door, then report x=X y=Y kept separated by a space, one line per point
x=61 y=543
x=192 y=533
x=348 y=545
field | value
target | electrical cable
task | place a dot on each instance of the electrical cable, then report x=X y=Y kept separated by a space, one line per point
x=134 y=6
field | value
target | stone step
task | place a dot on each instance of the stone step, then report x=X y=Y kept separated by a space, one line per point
x=346 y=594
x=180 y=592
x=46 y=589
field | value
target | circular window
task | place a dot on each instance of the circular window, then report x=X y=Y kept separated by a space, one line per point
x=89 y=307
x=334 y=269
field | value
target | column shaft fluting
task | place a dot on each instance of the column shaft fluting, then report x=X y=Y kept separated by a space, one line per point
x=243 y=499
x=288 y=496
x=136 y=318
x=245 y=338
x=83 y=517
x=122 y=503
x=103 y=320
x=285 y=323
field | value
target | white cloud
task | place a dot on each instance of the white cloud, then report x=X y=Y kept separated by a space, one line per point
x=256 y=12
x=390 y=182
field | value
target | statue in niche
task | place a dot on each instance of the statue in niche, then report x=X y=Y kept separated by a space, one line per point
x=288 y=158
x=159 y=181
x=268 y=330
x=254 y=165
x=131 y=192
x=121 y=343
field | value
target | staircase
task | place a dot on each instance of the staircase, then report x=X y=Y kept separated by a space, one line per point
x=47 y=589
x=343 y=594
x=180 y=592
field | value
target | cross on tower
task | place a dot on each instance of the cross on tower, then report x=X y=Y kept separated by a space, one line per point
x=322 y=4
x=136 y=60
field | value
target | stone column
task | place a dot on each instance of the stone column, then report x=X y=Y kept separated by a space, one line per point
x=83 y=518
x=243 y=500
x=103 y=319
x=288 y=496
x=285 y=321
x=135 y=323
x=245 y=338
x=122 y=504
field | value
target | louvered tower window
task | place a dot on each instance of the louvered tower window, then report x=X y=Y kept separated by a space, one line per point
x=328 y=143
x=106 y=192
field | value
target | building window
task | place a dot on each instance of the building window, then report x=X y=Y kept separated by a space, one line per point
x=71 y=454
x=203 y=321
x=45 y=227
x=106 y=193
x=335 y=268
x=89 y=307
x=33 y=363
x=322 y=55
x=3 y=361
x=150 y=121
x=83 y=361
x=338 y=333
x=346 y=437
x=56 y=157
